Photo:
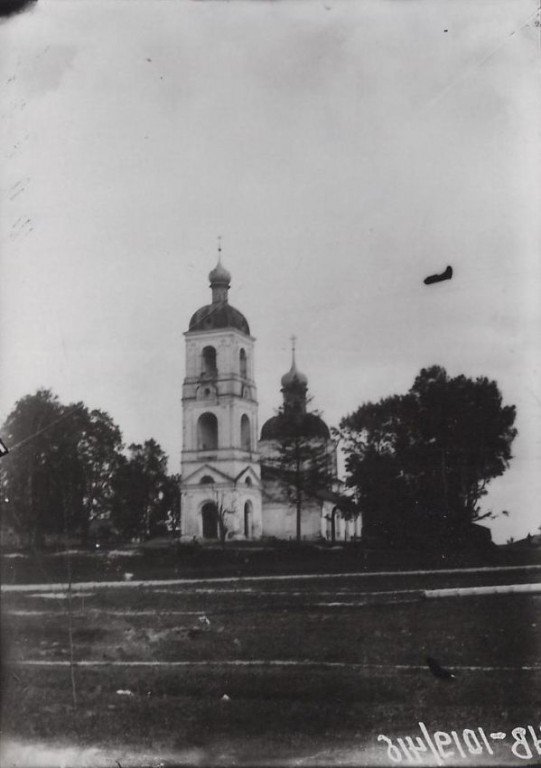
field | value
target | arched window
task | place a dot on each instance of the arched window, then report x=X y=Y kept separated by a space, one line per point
x=206 y=480
x=208 y=362
x=248 y=520
x=209 y=513
x=245 y=436
x=243 y=364
x=207 y=432
x=248 y=482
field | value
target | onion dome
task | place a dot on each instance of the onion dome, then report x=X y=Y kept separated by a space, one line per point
x=219 y=314
x=293 y=377
x=293 y=420
x=219 y=275
x=283 y=426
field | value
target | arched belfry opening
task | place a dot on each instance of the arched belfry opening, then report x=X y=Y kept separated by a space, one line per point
x=243 y=364
x=208 y=363
x=245 y=433
x=207 y=432
x=209 y=515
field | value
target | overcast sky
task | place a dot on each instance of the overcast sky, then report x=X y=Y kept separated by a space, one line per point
x=344 y=151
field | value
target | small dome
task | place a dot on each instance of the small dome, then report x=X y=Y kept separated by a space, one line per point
x=219 y=275
x=218 y=315
x=293 y=376
x=281 y=426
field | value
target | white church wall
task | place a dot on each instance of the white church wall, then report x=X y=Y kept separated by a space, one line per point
x=280 y=520
x=224 y=498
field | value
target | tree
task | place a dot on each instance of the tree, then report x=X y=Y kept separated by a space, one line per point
x=171 y=503
x=66 y=467
x=303 y=458
x=58 y=474
x=31 y=504
x=97 y=446
x=420 y=463
x=145 y=496
x=222 y=511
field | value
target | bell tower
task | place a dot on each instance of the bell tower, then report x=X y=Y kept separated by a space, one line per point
x=220 y=467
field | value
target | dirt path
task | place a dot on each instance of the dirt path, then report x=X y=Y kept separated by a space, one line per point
x=244 y=579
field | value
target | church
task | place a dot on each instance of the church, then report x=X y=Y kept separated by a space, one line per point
x=231 y=488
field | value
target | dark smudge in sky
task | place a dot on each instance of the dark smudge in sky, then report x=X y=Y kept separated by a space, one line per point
x=11 y=7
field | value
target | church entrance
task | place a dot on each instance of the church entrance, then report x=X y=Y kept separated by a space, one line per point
x=209 y=513
x=248 y=520
x=331 y=525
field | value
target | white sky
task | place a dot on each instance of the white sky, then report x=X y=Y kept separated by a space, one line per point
x=344 y=151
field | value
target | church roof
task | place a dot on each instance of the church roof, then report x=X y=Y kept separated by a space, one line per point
x=281 y=426
x=218 y=315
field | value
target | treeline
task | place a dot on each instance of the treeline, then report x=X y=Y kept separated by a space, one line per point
x=68 y=474
x=417 y=467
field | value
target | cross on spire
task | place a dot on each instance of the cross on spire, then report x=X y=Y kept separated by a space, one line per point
x=219 y=249
x=293 y=344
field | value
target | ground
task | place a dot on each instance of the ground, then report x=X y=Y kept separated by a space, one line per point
x=269 y=670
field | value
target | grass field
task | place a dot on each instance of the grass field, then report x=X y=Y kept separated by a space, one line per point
x=169 y=560
x=314 y=670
